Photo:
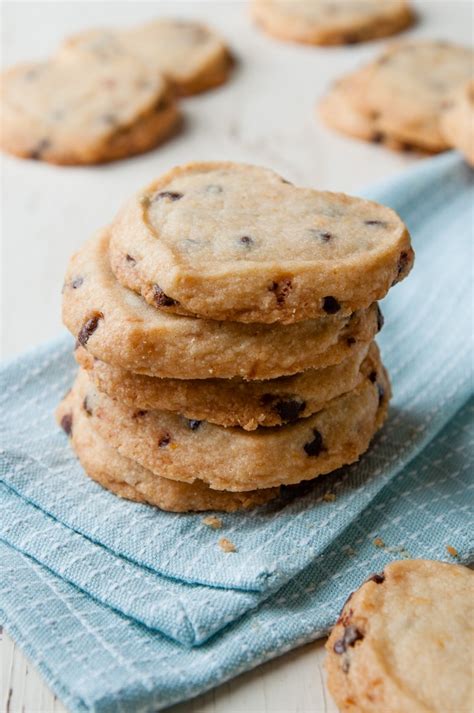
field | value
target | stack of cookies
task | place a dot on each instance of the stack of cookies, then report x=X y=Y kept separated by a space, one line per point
x=225 y=324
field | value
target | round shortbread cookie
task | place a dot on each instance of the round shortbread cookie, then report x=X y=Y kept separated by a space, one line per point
x=234 y=459
x=129 y=480
x=403 y=92
x=457 y=121
x=404 y=642
x=340 y=109
x=230 y=402
x=83 y=111
x=120 y=328
x=237 y=242
x=188 y=53
x=332 y=22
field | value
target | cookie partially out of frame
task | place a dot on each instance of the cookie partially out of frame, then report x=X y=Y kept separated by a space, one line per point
x=120 y=328
x=83 y=111
x=457 y=121
x=399 y=98
x=190 y=55
x=332 y=22
x=404 y=642
x=233 y=459
x=230 y=402
x=230 y=241
x=129 y=480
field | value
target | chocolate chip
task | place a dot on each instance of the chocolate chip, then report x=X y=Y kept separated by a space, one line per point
x=373 y=376
x=88 y=328
x=213 y=189
x=380 y=319
x=139 y=413
x=322 y=235
x=40 y=148
x=350 y=636
x=403 y=261
x=164 y=441
x=109 y=119
x=168 y=195
x=381 y=392
x=289 y=409
x=86 y=406
x=382 y=223
x=314 y=447
x=193 y=424
x=350 y=39
x=77 y=282
x=130 y=259
x=283 y=180
x=66 y=423
x=246 y=240
x=281 y=289
x=350 y=341
x=161 y=299
x=331 y=305
x=377 y=578
x=378 y=137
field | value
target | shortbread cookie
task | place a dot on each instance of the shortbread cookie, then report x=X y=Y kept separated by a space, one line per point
x=129 y=480
x=332 y=22
x=457 y=121
x=404 y=642
x=84 y=111
x=402 y=94
x=188 y=53
x=232 y=458
x=118 y=327
x=340 y=109
x=230 y=402
x=237 y=242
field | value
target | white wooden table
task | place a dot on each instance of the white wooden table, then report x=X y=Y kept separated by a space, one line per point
x=264 y=115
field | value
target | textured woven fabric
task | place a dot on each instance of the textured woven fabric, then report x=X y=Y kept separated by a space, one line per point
x=140 y=587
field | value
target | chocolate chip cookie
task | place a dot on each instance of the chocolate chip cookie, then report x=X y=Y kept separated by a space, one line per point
x=399 y=98
x=457 y=121
x=404 y=642
x=332 y=22
x=84 y=111
x=190 y=55
x=120 y=328
x=132 y=482
x=233 y=459
x=229 y=241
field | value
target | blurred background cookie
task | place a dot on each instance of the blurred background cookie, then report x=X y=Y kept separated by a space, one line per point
x=332 y=22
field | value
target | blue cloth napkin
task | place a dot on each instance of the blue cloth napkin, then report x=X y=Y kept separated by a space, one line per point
x=126 y=607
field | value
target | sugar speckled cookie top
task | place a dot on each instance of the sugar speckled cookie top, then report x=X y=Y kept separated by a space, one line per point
x=404 y=642
x=457 y=121
x=73 y=111
x=120 y=328
x=332 y=22
x=188 y=53
x=237 y=242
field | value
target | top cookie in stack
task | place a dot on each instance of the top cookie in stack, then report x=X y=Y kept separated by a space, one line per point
x=235 y=242
x=256 y=309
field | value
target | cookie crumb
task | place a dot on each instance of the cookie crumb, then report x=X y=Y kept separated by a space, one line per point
x=378 y=542
x=452 y=551
x=212 y=521
x=329 y=497
x=227 y=545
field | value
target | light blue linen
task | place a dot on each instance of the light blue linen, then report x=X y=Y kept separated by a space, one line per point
x=150 y=585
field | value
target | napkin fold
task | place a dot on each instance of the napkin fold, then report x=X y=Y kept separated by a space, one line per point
x=165 y=612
